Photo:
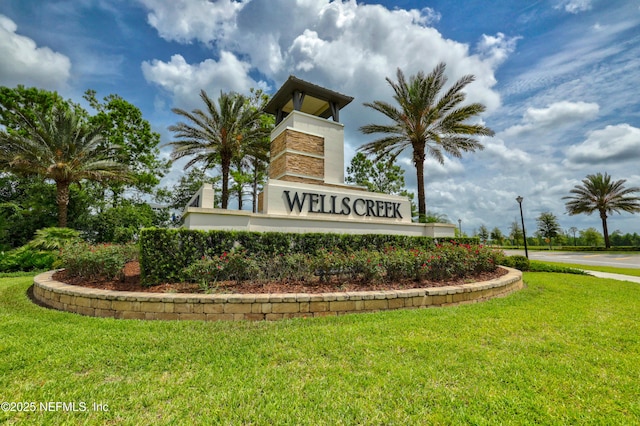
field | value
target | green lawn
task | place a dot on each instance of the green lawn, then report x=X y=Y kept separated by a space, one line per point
x=565 y=350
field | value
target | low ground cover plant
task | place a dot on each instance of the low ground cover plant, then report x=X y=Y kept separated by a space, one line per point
x=444 y=261
x=26 y=258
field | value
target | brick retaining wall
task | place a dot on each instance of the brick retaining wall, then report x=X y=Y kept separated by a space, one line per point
x=255 y=307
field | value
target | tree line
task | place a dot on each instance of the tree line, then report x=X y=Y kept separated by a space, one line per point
x=94 y=171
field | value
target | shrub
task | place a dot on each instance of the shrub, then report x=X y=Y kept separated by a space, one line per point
x=537 y=266
x=397 y=264
x=105 y=261
x=120 y=224
x=166 y=252
x=444 y=261
x=367 y=264
x=593 y=248
x=40 y=253
x=327 y=263
x=53 y=238
x=233 y=266
x=207 y=271
x=26 y=258
x=292 y=267
x=516 y=261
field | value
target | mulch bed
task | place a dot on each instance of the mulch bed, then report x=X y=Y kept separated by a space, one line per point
x=131 y=282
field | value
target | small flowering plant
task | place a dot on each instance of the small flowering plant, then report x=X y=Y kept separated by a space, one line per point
x=229 y=266
x=102 y=261
x=445 y=261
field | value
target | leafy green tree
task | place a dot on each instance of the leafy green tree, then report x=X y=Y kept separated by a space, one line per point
x=123 y=126
x=548 y=227
x=122 y=223
x=255 y=155
x=216 y=135
x=619 y=239
x=599 y=193
x=496 y=236
x=181 y=192
x=30 y=102
x=60 y=147
x=591 y=237
x=515 y=233
x=29 y=203
x=483 y=233
x=241 y=180
x=427 y=121
x=382 y=176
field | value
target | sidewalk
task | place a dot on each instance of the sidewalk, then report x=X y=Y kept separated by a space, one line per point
x=619 y=277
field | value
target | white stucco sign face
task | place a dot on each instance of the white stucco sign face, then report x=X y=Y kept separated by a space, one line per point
x=340 y=203
x=314 y=202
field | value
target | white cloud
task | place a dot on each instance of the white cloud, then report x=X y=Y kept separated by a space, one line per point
x=504 y=157
x=184 y=81
x=23 y=62
x=611 y=145
x=343 y=45
x=561 y=112
x=496 y=48
x=185 y=20
x=574 y=6
x=557 y=115
x=430 y=16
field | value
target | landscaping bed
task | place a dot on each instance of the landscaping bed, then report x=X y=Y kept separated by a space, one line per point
x=130 y=281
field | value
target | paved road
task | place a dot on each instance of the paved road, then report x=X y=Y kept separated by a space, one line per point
x=619 y=260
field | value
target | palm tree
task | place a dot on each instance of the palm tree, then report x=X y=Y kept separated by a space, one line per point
x=427 y=121
x=598 y=193
x=435 y=217
x=573 y=230
x=59 y=146
x=548 y=226
x=216 y=135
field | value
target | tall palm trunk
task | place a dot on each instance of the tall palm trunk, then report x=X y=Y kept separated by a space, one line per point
x=418 y=160
x=226 y=166
x=254 y=190
x=605 y=230
x=240 y=197
x=62 y=198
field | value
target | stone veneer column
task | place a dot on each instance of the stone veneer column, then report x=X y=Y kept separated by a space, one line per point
x=297 y=157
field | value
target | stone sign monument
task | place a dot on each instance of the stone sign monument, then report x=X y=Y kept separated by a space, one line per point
x=305 y=191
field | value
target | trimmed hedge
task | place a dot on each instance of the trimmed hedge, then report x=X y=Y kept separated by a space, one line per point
x=599 y=248
x=516 y=261
x=164 y=253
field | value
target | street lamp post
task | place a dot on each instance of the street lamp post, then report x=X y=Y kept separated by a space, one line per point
x=460 y=227
x=524 y=233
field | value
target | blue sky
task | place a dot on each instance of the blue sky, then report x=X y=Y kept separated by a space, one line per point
x=559 y=78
